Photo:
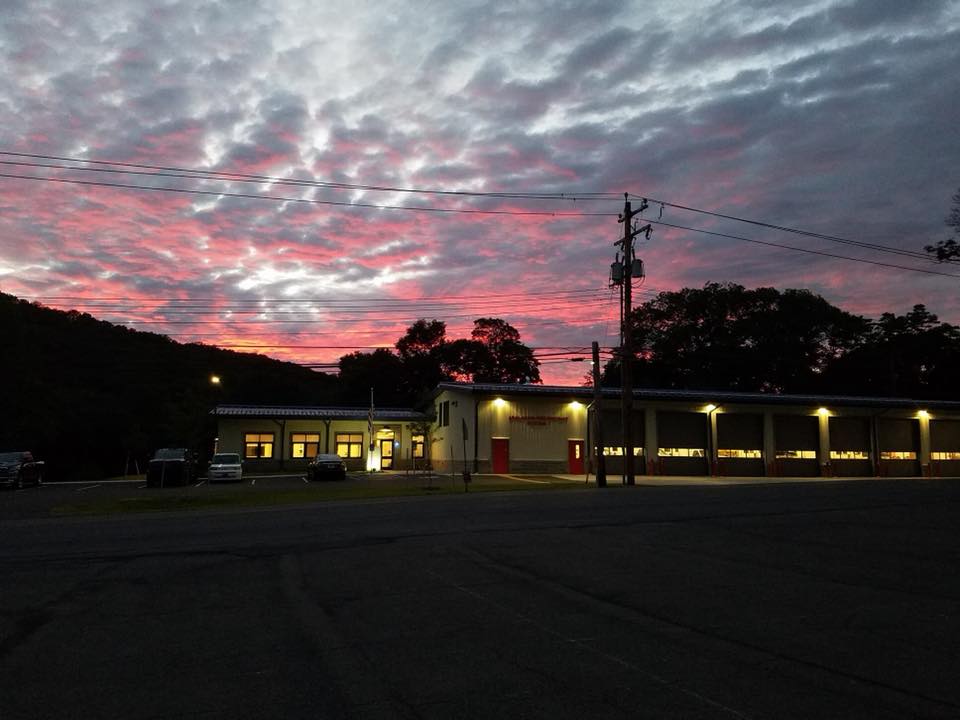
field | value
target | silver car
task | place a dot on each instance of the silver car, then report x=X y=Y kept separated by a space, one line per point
x=225 y=466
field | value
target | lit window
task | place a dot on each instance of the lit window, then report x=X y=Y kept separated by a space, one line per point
x=796 y=455
x=417 y=443
x=618 y=451
x=681 y=452
x=949 y=455
x=728 y=453
x=349 y=445
x=258 y=445
x=849 y=455
x=304 y=445
x=898 y=455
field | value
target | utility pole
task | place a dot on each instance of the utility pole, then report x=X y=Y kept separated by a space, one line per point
x=630 y=263
x=598 y=419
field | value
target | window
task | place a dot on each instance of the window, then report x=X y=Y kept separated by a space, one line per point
x=618 y=451
x=304 y=445
x=898 y=455
x=727 y=453
x=417 y=444
x=350 y=445
x=258 y=445
x=443 y=414
x=849 y=455
x=949 y=455
x=796 y=455
x=681 y=452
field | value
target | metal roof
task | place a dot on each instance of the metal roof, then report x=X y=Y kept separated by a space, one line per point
x=315 y=412
x=705 y=396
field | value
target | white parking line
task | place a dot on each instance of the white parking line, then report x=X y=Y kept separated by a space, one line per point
x=253 y=482
x=305 y=481
x=89 y=487
x=200 y=483
x=140 y=487
x=528 y=480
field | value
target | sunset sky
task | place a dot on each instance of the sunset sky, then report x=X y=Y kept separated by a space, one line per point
x=840 y=118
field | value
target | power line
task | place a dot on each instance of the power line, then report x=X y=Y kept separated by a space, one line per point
x=226 y=176
x=192 y=173
x=309 y=201
x=797 y=231
x=198 y=298
x=803 y=250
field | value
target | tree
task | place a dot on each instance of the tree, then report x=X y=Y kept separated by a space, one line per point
x=380 y=370
x=911 y=355
x=949 y=249
x=725 y=337
x=422 y=337
x=501 y=357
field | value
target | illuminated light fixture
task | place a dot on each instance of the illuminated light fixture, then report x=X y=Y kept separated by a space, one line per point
x=710 y=408
x=923 y=414
x=499 y=402
x=576 y=405
x=822 y=411
x=214 y=379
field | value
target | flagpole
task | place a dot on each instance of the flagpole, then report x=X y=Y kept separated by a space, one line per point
x=370 y=432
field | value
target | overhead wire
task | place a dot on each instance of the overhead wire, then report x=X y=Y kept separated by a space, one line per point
x=108 y=166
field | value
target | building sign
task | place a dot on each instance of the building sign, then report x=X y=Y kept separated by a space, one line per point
x=538 y=419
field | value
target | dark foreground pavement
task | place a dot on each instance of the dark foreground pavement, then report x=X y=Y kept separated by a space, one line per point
x=832 y=600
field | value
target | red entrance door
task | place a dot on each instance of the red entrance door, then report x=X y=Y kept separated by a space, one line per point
x=501 y=455
x=575 y=456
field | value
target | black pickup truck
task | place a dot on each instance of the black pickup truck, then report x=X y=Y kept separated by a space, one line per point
x=18 y=468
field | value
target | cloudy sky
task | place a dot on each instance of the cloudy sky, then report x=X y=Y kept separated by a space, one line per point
x=840 y=118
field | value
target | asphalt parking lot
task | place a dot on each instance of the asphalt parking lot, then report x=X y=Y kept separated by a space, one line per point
x=776 y=600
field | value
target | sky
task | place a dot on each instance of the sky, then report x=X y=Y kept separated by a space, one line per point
x=531 y=119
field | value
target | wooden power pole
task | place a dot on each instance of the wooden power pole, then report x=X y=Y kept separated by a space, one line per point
x=626 y=347
x=598 y=419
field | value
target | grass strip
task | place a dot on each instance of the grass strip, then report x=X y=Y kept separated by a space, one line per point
x=197 y=499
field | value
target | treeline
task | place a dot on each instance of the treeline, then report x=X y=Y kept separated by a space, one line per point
x=92 y=398
x=95 y=399
x=726 y=337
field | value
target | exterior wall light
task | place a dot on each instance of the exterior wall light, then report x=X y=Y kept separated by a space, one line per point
x=576 y=405
x=923 y=414
x=499 y=402
x=822 y=411
x=214 y=379
x=710 y=408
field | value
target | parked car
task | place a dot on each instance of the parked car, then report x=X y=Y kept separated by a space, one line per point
x=327 y=467
x=225 y=466
x=172 y=466
x=18 y=468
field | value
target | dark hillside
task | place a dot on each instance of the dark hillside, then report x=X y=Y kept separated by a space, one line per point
x=88 y=396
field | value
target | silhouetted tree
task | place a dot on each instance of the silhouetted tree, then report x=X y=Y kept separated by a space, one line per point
x=911 y=355
x=380 y=370
x=724 y=336
x=949 y=249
